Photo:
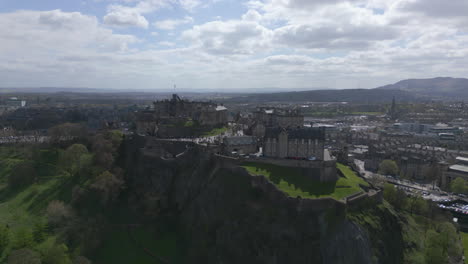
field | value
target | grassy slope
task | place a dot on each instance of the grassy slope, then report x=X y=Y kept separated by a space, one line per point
x=23 y=208
x=215 y=132
x=294 y=183
x=118 y=248
x=465 y=245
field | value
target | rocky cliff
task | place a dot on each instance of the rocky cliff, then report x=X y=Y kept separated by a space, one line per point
x=229 y=216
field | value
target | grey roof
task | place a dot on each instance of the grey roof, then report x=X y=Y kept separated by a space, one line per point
x=237 y=141
x=459 y=168
x=463 y=159
x=298 y=133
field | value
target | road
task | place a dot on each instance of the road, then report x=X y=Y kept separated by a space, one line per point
x=410 y=187
x=24 y=139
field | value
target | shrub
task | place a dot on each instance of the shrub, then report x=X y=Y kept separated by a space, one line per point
x=57 y=213
x=23 y=256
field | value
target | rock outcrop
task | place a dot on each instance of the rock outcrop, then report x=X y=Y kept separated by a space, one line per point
x=229 y=216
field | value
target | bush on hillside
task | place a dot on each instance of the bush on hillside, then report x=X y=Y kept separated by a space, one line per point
x=23 y=256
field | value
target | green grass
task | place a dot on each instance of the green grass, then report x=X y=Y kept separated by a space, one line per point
x=367 y=113
x=215 y=132
x=293 y=182
x=119 y=248
x=23 y=208
x=189 y=123
x=464 y=237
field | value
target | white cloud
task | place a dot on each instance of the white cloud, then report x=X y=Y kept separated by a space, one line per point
x=166 y=43
x=125 y=17
x=251 y=15
x=281 y=43
x=171 y=24
x=235 y=37
x=133 y=15
x=190 y=4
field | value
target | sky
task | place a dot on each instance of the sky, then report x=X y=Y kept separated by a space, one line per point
x=227 y=45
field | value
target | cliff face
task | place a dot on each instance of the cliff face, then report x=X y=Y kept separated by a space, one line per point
x=229 y=216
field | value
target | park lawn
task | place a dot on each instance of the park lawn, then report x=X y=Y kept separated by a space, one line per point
x=215 y=132
x=119 y=248
x=464 y=237
x=292 y=181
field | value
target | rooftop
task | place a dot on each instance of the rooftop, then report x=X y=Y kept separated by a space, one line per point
x=459 y=168
x=236 y=141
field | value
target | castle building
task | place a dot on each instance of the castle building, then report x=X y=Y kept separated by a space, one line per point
x=307 y=143
x=178 y=118
x=279 y=117
x=206 y=113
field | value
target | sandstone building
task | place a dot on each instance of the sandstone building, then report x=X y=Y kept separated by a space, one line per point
x=307 y=143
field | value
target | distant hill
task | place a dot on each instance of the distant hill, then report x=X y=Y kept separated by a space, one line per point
x=345 y=95
x=441 y=88
x=444 y=87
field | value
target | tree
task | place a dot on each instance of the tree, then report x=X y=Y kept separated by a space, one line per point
x=39 y=231
x=434 y=251
x=67 y=131
x=58 y=213
x=81 y=260
x=377 y=180
x=459 y=185
x=23 y=174
x=23 y=238
x=75 y=158
x=433 y=174
x=107 y=186
x=23 y=256
x=395 y=197
x=388 y=167
x=55 y=254
x=104 y=150
x=4 y=238
x=418 y=205
x=390 y=193
x=449 y=240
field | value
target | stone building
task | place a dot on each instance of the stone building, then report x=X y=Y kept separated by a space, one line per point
x=205 y=113
x=277 y=117
x=180 y=118
x=452 y=171
x=241 y=145
x=308 y=143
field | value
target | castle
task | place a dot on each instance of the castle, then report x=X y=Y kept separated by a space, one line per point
x=177 y=117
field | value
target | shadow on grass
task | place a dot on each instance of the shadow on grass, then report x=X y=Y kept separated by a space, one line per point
x=60 y=190
x=7 y=193
x=296 y=177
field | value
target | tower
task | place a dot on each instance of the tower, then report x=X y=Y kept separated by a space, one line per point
x=393 y=110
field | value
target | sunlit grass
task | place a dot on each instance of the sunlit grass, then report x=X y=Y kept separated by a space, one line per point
x=293 y=182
